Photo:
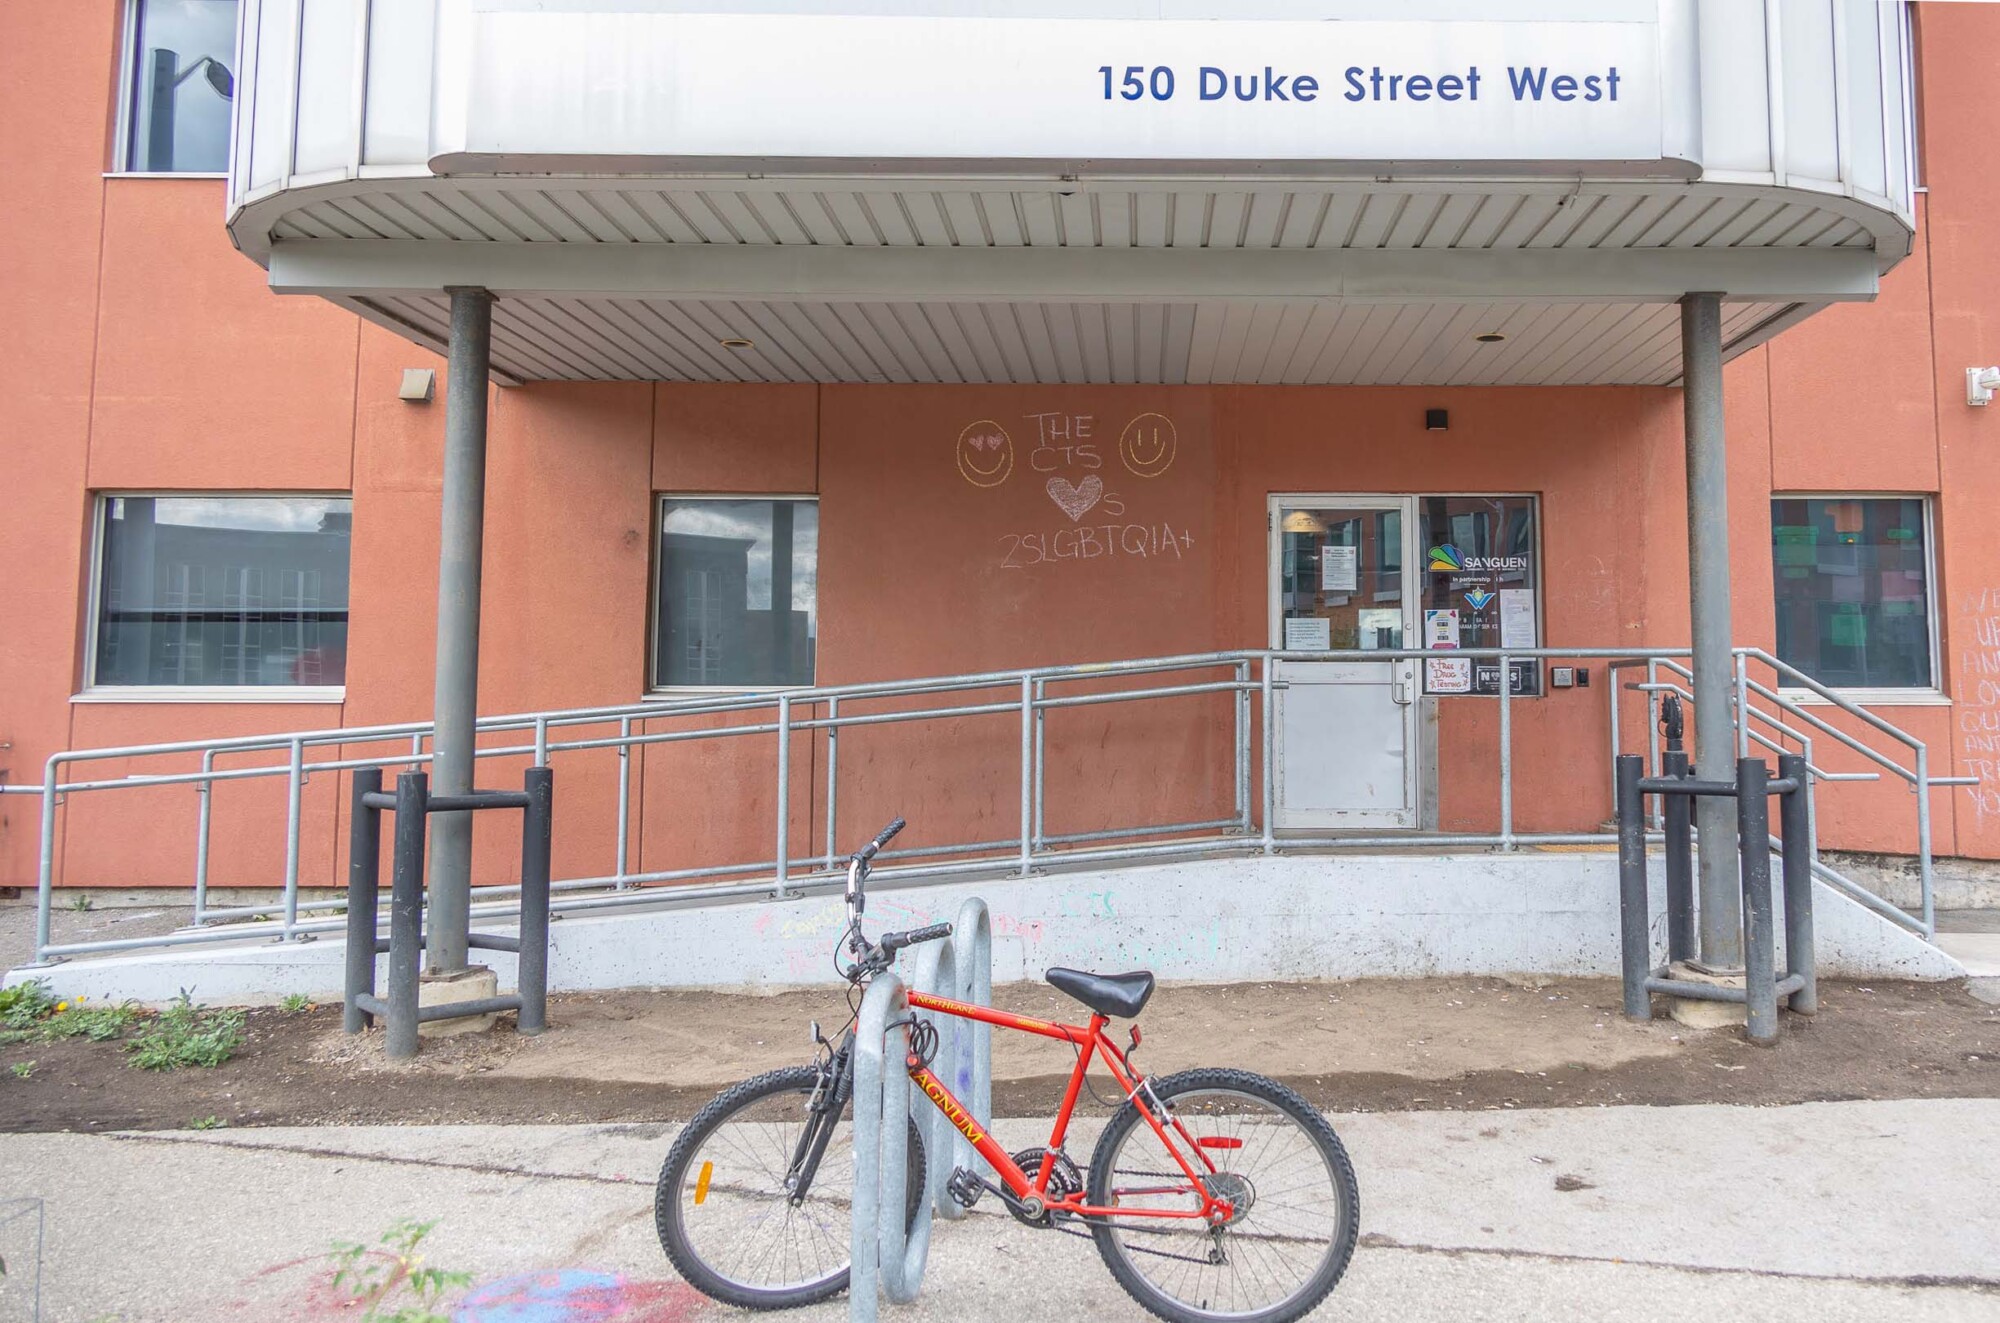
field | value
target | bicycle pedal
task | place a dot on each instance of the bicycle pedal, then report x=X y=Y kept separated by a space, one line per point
x=965 y=1187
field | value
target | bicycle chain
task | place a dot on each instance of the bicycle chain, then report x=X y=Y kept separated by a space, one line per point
x=1145 y=1231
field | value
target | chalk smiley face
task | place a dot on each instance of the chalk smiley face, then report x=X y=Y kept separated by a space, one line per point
x=985 y=453
x=1147 y=444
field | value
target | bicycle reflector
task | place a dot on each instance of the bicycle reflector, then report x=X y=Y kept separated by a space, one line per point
x=1218 y=1141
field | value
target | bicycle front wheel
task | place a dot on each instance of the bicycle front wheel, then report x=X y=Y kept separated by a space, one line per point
x=1274 y=1157
x=725 y=1218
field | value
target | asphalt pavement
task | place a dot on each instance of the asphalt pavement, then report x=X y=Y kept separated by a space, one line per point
x=1824 y=1211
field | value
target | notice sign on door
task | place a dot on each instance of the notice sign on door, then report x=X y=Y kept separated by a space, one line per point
x=1339 y=569
x=1448 y=675
x=1440 y=629
x=1308 y=634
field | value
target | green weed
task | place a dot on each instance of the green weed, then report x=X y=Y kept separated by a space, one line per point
x=22 y=1069
x=295 y=1003
x=205 y=1123
x=25 y=1003
x=100 y=1024
x=184 y=1035
x=391 y=1280
x=79 y=904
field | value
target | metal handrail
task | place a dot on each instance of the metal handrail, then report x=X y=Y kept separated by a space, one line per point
x=1796 y=718
x=1025 y=691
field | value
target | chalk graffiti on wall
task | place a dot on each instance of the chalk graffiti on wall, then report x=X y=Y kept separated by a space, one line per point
x=1068 y=451
x=1977 y=706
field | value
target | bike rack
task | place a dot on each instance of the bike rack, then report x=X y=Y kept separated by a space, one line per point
x=412 y=803
x=1763 y=985
x=888 y=1257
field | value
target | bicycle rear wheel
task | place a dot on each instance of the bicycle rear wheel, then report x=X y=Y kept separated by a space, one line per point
x=723 y=1213
x=1275 y=1158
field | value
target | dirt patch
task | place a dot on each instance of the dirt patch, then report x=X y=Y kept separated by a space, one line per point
x=1363 y=1046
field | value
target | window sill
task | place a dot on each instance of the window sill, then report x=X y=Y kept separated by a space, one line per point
x=212 y=694
x=720 y=691
x=166 y=174
x=1872 y=698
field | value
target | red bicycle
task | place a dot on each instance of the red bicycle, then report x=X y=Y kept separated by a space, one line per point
x=1212 y=1194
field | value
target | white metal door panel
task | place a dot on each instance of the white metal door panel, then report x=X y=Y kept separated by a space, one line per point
x=1344 y=746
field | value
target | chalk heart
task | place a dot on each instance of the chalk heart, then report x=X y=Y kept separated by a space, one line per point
x=1075 y=501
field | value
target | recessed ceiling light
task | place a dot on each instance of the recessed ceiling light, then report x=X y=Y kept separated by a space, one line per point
x=738 y=342
x=1489 y=337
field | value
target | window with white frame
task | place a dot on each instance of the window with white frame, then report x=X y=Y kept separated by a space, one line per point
x=221 y=591
x=1853 y=587
x=179 y=82
x=736 y=592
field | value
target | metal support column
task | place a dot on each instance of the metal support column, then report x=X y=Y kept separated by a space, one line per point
x=457 y=693
x=1720 y=916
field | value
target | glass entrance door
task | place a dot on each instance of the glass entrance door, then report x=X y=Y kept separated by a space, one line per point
x=1343 y=583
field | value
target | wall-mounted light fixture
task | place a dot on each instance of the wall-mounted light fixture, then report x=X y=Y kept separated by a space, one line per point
x=419 y=385
x=1437 y=420
x=1980 y=384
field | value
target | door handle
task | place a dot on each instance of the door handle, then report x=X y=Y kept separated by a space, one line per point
x=1399 y=690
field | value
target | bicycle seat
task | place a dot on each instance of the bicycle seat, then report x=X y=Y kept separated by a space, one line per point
x=1122 y=996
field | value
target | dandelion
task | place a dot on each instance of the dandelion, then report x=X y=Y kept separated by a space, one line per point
x=62 y=1006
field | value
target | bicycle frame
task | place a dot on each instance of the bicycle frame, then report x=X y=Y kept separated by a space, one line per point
x=1088 y=1040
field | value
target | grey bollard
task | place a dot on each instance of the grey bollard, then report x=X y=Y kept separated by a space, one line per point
x=364 y=889
x=1795 y=820
x=1753 y=825
x=536 y=839
x=406 y=909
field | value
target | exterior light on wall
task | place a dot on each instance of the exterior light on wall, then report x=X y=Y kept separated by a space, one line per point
x=1490 y=337
x=1437 y=420
x=738 y=342
x=419 y=385
x=1980 y=384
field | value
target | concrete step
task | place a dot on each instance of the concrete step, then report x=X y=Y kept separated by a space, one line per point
x=1972 y=937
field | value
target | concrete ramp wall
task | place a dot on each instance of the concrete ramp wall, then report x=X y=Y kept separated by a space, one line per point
x=1219 y=920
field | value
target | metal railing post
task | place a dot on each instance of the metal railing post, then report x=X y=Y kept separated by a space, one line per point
x=537 y=832
x=1795 y=821
x=364 y=890
x=1753 y=829
x=1243 y=747
x=1506 y=753
x=294 y=800
x=45 y=865
x=1742 y=706
x=541 y=741
x=832 y=779
x=406 y=907
x=623 y=860
x=206 y=790
x=1041 y=765
x=1634 y=917
x=784 y=791
x=1923 y=788
x=1653 y=731
x=1269 y=758
x=1027 y=775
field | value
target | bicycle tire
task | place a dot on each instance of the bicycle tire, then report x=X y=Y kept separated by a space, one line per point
x=669 y=1214
x=1341 y=1186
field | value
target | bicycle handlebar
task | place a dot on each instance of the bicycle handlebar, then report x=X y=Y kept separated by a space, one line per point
x=888 y=834
x=894 y=942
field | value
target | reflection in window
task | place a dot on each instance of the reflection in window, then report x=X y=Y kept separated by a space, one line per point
x=1853 y=596
x=182 y=82
x=723 y=564
x=202 y=590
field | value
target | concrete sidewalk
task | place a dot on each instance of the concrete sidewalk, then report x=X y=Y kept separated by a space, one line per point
x=1861 y=1211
